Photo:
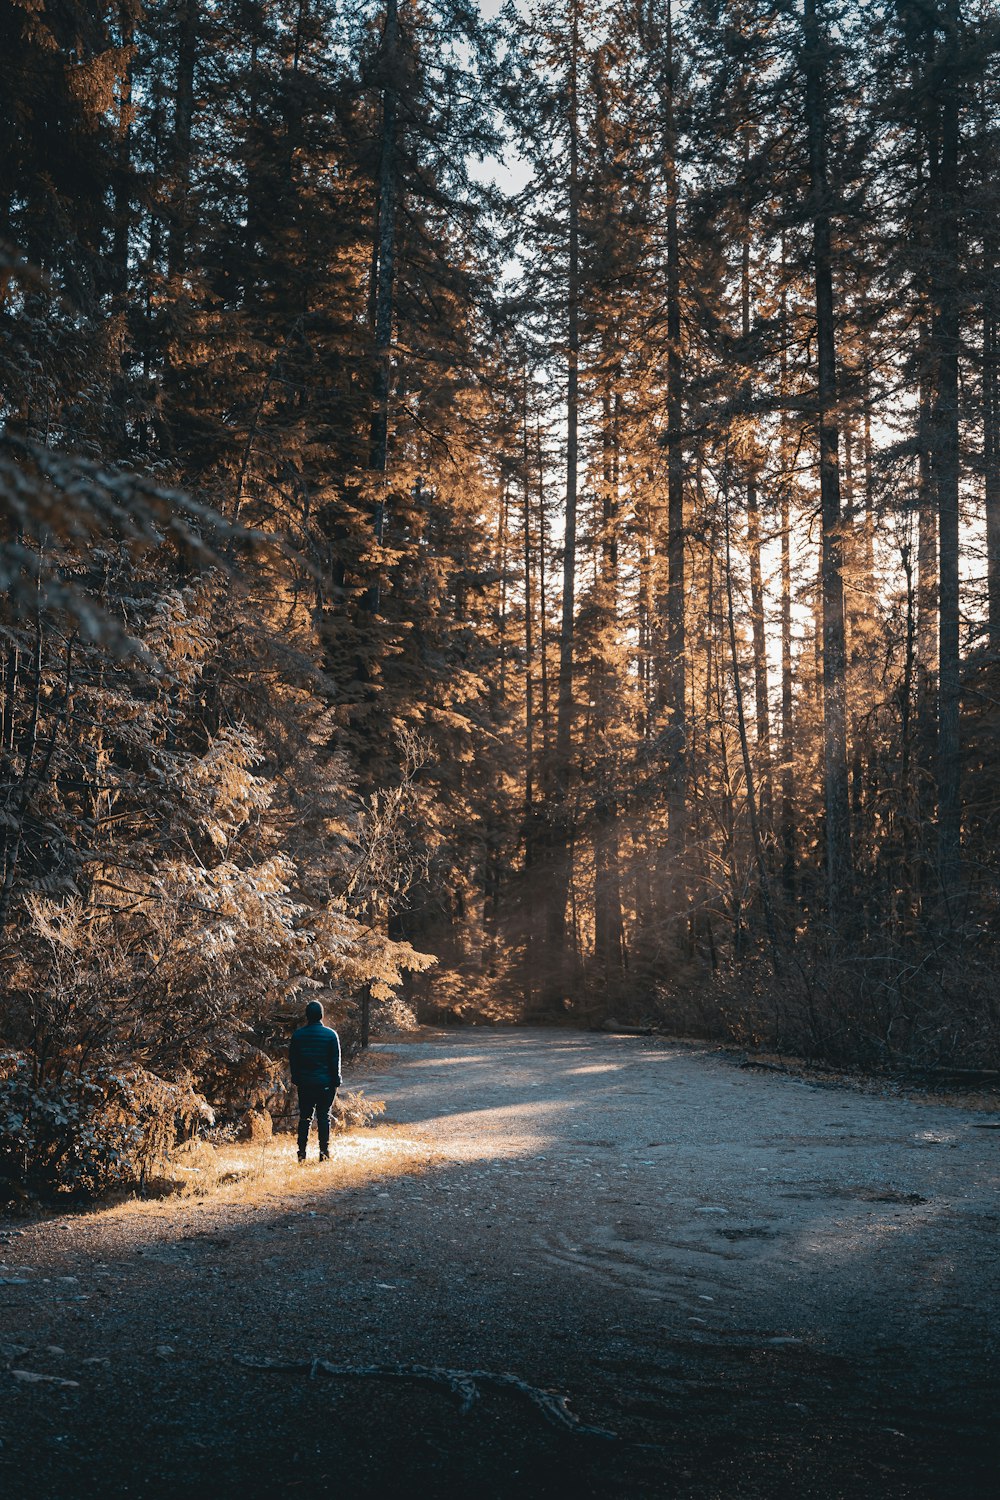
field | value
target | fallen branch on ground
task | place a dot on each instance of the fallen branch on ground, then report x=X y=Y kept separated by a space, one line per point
x=463 y=1384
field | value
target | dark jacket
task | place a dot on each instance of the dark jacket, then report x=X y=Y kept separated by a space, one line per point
x=314 y=1056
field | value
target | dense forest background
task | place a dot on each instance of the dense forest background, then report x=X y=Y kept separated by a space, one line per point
x=501 y=517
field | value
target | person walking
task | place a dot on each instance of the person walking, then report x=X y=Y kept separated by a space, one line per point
x=314 y=1058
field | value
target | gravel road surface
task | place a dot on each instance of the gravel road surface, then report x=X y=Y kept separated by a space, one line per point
x=742 y=1284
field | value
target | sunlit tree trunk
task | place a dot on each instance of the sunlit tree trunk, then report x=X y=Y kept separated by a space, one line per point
x=927 y=554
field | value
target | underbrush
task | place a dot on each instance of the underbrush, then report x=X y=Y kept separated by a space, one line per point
x=83 y=1132
x=130 y=1134
x=881 y=1010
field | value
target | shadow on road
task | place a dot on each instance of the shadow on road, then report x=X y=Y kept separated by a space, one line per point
x=743 y=1335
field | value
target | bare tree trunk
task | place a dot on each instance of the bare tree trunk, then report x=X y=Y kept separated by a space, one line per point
x=543 y=603
x=502 y=539
x=560 y=881
x=529 y=646
x=153 y=257
x=788 y=463
x=178 y=225
x=676 y=644
x=385 y=270
x=788 y=840
x=762 y=709
x=530 y=830
x=564 y=704
x=646 y=607
x=991 y=434
x=927 y=550
x=608 y=926
x=123 y=205
x=946 y=333
x=907 y=882
x=835 y=775
x=187 y=51
x=758 y=848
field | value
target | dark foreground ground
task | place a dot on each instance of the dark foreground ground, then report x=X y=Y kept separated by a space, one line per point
x=760 y=1286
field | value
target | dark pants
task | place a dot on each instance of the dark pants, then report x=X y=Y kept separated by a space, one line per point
x=318 y=1097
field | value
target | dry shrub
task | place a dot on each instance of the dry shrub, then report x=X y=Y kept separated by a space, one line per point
x=392 y=1016
x=353 y=1111
x=881 y=1010
x=85 y=1131
x=697 y=1003
x=467 y=994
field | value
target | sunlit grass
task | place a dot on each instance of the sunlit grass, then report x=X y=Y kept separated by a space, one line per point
x=249 y=1175
x=255 y=1171
x=265 y=1168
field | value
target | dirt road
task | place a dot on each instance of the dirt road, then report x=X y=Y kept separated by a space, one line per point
x=760 y=1286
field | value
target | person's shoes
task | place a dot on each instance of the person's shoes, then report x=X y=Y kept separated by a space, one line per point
x=324 y=1156
x=302 y=1156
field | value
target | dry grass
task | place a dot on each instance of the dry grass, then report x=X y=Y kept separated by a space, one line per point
x=265 y=1166
x=251 y=1174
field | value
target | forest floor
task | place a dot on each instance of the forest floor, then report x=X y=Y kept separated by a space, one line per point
x=763 y=1286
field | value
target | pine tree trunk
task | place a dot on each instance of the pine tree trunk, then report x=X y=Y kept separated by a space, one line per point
x=530 y=830
x=529 y=646
x=502 y=541
x=835 y=774
x=927 y=552
x=646 y=609
x=676 y=691
x=543 y=602
x=169 y=411
x=751 y=793
x=907 y=881
x=385 y=241
x=564 y=703
x=187 y=51
x=761 y=705
x=991 y=434
x=946 y=333
x=560 y=872
x=608 y=927
x=123 y=210
x=788 y=838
